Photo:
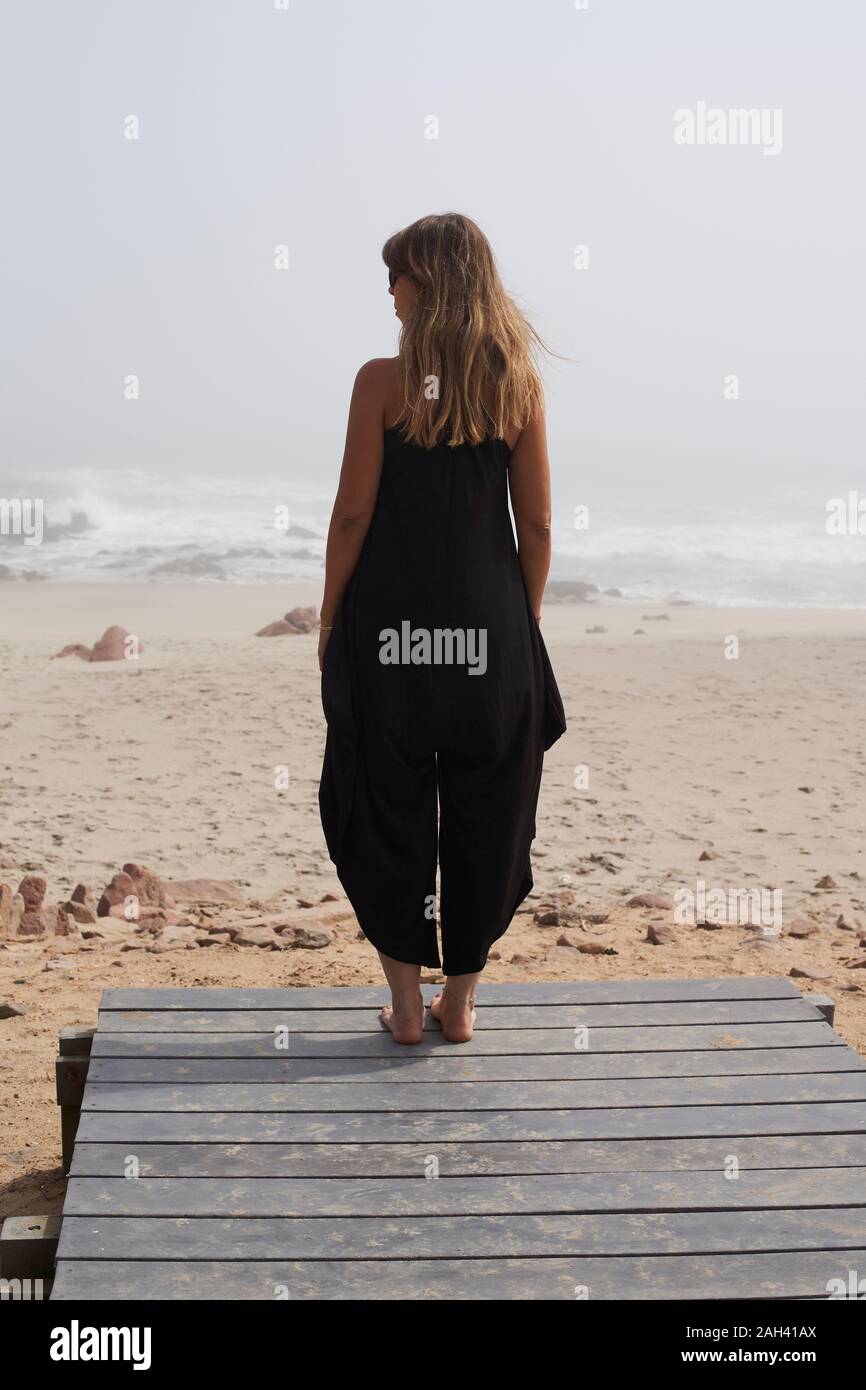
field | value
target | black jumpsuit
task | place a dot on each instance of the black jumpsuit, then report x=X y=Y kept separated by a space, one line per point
x=439 y=555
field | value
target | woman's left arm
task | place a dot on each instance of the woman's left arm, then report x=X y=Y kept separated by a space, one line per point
x=356 y=495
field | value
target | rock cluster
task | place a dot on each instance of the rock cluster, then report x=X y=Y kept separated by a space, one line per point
x=295 y=621
x=111 y=646
x=139 y=911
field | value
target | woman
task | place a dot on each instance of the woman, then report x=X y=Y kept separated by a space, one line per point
x=435 y=680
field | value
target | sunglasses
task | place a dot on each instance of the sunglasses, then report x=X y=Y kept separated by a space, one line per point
x=395 y=275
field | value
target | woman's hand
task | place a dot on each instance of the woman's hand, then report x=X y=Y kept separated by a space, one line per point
x=323 y=642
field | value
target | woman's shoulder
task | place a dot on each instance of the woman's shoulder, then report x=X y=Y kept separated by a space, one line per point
x=377 y=384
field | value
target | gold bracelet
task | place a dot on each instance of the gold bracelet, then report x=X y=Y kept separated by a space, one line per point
x=326 y=627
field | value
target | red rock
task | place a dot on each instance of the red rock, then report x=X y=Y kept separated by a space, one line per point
x=331 y=898
x=519 y=960
x=707 y=854
x=181 y=932
x=112 y=645
x=657 y=934
x=204 y=890
x=32 y=889
x=826 y=882
x=149 y=888
x=81 y=912
x=213 y=938
x=565 y=897
x=46 y=921
x=64 y=925
x=174 y=939
x=303 y=939
x=264 y=937
x=494 y=955
x=35 y=924
x=546 y=919
x=564 y=941
x=806 y=974
x=115 y=894
x=278 y=629
x=650 y=900
x=596 y=948
x=304 y=619
x=847 y=926
x=74 y=649
x=563 y=955
x=298 y=620
x=802 y=927
x=81 y=894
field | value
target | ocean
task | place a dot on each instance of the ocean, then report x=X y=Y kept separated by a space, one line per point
x=133 y=526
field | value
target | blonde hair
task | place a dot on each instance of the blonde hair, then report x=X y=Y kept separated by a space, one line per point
x=465 y=333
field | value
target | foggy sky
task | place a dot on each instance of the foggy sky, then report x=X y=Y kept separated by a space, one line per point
x=307 y=127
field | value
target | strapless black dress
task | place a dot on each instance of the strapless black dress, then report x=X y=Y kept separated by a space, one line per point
x=439 y=695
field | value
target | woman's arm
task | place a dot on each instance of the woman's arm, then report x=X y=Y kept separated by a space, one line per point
x=529 y=485
x=356 y=494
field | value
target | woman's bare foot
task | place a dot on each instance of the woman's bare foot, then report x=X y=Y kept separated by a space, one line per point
x=456 y=1016
x=404 y=1018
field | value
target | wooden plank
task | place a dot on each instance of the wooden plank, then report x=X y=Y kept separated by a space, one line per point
x=678 y=1122
x=565 y=1016
x=479 y=1159
x=446 y=1196
x=443 y=1237
x=445 y=1096
x=557 y=1166
x=411 y=1070
x=491 y=995
x=495 y=1042
x=754 y=1275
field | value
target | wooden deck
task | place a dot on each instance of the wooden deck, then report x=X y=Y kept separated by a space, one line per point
x=311 y=1172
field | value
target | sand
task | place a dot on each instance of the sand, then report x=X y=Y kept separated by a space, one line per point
x=180 y=762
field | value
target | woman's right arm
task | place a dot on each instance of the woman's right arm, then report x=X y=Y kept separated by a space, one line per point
x=529 y=485
x=359 y=485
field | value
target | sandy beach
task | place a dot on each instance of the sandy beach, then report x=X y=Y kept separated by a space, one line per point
x=201 y=760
